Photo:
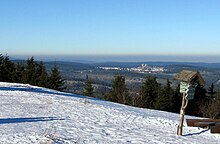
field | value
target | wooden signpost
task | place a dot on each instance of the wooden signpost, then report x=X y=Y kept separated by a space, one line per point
x=189 y=81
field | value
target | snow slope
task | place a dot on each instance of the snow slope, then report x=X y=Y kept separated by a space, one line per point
x=31 y=114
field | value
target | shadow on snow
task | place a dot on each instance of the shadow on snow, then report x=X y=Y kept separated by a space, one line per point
x=196 y=133
x=28 y=119
x=43 y=90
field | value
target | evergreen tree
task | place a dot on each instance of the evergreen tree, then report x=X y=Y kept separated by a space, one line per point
x=164 y=100
x=6 y=69
x=42 y=76
x=31 y=73
x=1 y=67
x=149 y=92
x=28 y=75
x=119 y=92
x=211 y=91
x=17 y=74
x=199 y=98
x=177 y=100
x=55 y=80
x=88 y=89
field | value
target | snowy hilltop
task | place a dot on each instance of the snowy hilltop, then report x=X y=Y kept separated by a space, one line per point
x=34 y=115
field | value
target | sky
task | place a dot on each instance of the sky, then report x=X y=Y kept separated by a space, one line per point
x=110 y=27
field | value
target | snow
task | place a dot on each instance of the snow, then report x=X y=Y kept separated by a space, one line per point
x=30 y=114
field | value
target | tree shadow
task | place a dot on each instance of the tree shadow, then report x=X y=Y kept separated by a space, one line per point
x=28 y=119
x=196 y=133
x=43 y=90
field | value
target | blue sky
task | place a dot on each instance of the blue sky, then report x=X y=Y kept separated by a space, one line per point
x=110 y=27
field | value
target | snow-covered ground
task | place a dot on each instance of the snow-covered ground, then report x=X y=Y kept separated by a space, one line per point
x=31 y=114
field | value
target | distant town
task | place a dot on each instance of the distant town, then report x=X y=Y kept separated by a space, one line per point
x=144 y=68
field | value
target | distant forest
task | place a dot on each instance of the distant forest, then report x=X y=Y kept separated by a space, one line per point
x=152 y=94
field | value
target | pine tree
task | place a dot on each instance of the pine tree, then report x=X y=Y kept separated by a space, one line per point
x=164 y=100
x=1 y=67
x=199 y=98
x=42 y=76
x=88 y=89
x=177 y=100
x=119 y=92
x=55 y=80
x=17 y=75
x=211 y=91
x=6 y=69
x=28 y=76
x=149 y=92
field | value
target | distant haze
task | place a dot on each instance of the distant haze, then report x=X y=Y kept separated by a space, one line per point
x=121 y=58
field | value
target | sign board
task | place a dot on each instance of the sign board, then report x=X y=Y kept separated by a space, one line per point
x=191 y=91
x=184 y=87
x=190 y=80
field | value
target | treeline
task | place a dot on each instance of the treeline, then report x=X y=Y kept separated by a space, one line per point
x=30 y=72
x=153 y=95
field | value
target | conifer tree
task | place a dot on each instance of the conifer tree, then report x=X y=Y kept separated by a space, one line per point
x=28 y=75
x=1 y=67
x=55 y=80
x=199 y=98
x=164 y=100
x=119 y=92
x=32 y=73
x=17 y=74
x=149 y=92
x=177 y=100
x=6 y=69
x=42 y=76
x=88 y=89
x=211 y=91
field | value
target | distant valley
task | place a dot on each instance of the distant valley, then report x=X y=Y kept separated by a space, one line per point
x=102 y=74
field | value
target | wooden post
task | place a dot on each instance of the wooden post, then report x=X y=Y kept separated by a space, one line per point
x=182 y=113
x=189 y=80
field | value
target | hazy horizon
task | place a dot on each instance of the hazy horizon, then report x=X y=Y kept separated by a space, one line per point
x=121 y=58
